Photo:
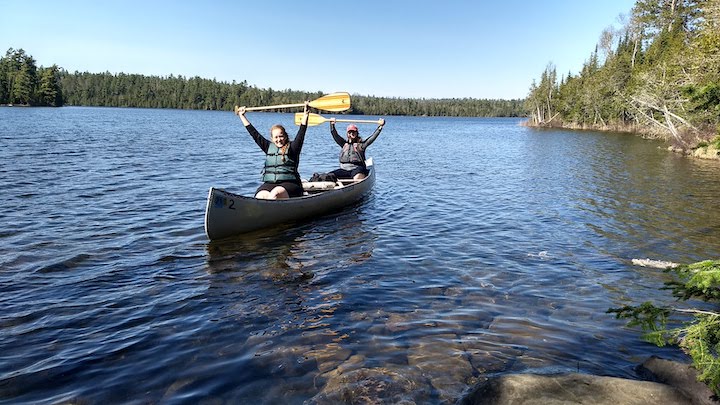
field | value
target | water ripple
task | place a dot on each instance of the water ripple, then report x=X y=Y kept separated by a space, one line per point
x=484 y=248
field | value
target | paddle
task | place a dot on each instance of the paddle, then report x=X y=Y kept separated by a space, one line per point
x=330 y=102
x=315 y=119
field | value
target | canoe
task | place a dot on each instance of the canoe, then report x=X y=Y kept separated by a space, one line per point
x=228 y=214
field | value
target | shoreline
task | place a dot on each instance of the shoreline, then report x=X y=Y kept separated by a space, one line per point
x=661 y=382
x=702 y=151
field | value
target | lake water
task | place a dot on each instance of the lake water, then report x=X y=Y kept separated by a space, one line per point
x=485 y=247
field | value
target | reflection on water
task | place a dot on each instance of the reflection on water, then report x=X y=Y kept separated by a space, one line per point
x=299 y=247
x=289 y=285
x=485 y=247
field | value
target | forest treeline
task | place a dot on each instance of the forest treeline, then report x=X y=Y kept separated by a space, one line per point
x=658 y=75
x=22 y=83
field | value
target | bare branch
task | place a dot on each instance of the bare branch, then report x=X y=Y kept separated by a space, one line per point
x=695 y=311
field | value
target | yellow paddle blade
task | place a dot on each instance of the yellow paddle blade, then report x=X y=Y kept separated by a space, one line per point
x=332 y=102
x=313 y=119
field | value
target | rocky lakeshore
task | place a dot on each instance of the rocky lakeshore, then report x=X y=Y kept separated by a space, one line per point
x=666 y=382
x=662 y=382
x=702 y=152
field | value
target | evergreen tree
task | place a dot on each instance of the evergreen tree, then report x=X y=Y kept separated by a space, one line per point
x=49 y=93
x=21 y=83
x=23 y=79
x=5 y=78
x=541 y=100
x=662 y=77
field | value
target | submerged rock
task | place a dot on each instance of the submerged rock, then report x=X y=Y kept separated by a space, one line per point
x=379 y=385
x=328 y=356
x=444 y=362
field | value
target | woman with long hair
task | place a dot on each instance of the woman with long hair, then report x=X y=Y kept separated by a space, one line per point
x=282 y=156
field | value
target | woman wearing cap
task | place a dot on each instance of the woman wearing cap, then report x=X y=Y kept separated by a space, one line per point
x=352 y=156
x=280 y=176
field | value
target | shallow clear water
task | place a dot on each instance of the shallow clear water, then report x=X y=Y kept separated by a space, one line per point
x=486 y=247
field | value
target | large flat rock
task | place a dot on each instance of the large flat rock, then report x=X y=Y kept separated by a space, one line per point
x=679 y=375
x=525 y=389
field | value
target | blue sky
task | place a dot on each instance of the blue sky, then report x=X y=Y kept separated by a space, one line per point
x=390 y=48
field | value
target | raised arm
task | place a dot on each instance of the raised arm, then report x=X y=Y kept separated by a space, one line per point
x=297 y=143
x=259 y=139
x=306 y=114
x=338 y=139
x=240 y=112
x=375 y=134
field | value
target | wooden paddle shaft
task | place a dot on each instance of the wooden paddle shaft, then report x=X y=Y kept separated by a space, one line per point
x=272 y=107
x=316 y=119
x=362 y=121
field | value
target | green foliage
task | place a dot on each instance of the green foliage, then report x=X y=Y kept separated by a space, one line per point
x=699 y=335
x=698 y=280
x=124 y=90
x=455 y=107
x=540 y=101
x=704 y=99
x=651 y=319
x=22 y=83
x=701 y=340
x=662 y=78
x=49 y=92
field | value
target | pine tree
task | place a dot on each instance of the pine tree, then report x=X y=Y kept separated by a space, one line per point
x=49 y=93
x=663 y=76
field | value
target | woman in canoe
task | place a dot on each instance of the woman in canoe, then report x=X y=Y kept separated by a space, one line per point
x=352 y=155
x=280 y=176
